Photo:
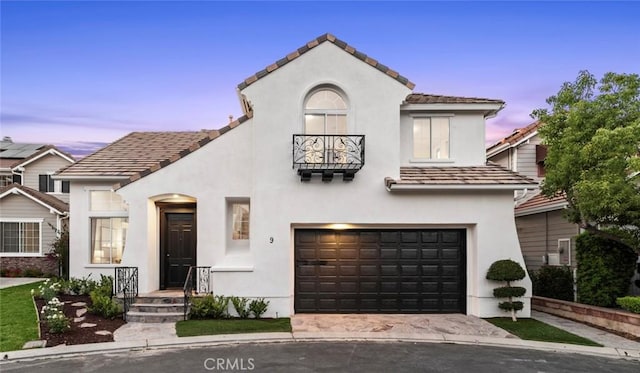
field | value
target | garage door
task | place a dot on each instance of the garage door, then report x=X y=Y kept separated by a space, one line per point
x=380 y=271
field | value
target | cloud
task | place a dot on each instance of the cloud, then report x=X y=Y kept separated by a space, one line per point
x=80 y=149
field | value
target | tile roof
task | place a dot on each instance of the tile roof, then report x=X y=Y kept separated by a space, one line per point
x=47 y=199
x=314 y=43
x=423 y=98
x=142 y=153
x=517 y=135
x=488 y=175
x=543 y=203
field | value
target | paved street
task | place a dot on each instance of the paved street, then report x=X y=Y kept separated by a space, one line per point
x=331 y=357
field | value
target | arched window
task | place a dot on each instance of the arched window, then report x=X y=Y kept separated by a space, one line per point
x=325 y=112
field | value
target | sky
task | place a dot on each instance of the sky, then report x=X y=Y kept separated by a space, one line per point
x=82 y=74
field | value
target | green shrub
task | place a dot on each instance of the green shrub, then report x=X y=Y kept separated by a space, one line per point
x=47 y=290
x=553 y=282
x=631 y=304
x=209 y=307
x=605 y=268
x=53 y=316
x=80 y=286
x=507 y=270
x=258 y=307
x=104 y=286
x=241 y=306
x=104 y=305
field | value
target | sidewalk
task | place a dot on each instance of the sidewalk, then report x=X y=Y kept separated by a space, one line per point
x=6 y=282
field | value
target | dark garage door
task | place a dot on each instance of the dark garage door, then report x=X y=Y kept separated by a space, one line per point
x=380 y=271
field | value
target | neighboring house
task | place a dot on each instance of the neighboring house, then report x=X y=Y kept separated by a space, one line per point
x=546 y=237
x=32 y=205
x=282 y=205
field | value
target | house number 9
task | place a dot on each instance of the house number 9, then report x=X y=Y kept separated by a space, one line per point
x=270 y=239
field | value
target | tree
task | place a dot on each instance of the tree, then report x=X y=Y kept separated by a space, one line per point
x=592 y=131
x=507 y=270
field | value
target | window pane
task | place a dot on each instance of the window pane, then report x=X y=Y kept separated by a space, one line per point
x=336 y=124
x=439 y=138
x=326 y=99
x=10 y=237
x=240 y=216
x=30 y=237
x=108 y=237
x=105 y=200
x=421 y=138
x=314 y=124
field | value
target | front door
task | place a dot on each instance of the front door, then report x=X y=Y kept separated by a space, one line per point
x=178 y=248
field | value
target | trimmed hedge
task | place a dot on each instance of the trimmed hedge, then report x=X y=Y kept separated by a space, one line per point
x=605 y=268
x=631 y=304
x=553 y=282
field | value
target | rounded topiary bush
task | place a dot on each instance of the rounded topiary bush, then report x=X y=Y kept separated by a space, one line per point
x=507 y=270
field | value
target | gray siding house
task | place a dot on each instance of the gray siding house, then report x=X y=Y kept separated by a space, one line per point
x=545 y=236
x=33 y=206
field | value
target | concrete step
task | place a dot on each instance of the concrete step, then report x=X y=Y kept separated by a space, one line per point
x=159 y=300
x=157 y=307
x=154 y=317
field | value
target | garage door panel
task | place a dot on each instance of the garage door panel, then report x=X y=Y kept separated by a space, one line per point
x=391 y=271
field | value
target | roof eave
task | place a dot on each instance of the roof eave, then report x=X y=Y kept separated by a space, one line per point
x=16 y=190
x=484 y=107
x=539 y=209
x=497 y=150
x=89 y=177
x=401 y=187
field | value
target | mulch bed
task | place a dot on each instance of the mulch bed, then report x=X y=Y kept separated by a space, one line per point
x=77 y=335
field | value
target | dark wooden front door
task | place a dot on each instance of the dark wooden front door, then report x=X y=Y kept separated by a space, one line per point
x=178 y=248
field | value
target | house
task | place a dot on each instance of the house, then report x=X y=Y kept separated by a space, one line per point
x=339 y=190
x=546 y=237
x=33 y=206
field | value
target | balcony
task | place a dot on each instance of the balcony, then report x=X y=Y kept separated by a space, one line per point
x=328 y=155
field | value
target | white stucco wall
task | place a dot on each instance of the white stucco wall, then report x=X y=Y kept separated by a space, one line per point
x=254 y=161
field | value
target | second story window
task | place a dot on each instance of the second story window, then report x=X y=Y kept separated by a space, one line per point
x=325 y=112
x=431 y=138
x=47 y=185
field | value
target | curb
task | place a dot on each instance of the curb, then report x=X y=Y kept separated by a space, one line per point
x=301 y=337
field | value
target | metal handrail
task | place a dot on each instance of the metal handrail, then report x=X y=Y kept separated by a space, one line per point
x=126 y=282
x=198 y=282
x=331 y=152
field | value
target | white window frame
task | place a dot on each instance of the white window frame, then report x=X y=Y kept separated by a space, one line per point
x=414 y=159
x=325 y=112
x=236 y=244
x=568 y=253
x=40 y=221
x=103 y=214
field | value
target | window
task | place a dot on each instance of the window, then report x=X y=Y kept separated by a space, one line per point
x=541 y=155
x=108 y=239
x=5 y=180
x=240 y=221
x=48 y=185
x=325 y=112
x=431 y=138
x=20 y=237
x=109 y=225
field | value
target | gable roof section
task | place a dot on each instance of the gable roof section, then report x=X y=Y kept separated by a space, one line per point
x=514 y=138
x=541 y=203
x=142 y=153
x=47 y=149
x=489 y=176
x=314 y=43
x=46 y=200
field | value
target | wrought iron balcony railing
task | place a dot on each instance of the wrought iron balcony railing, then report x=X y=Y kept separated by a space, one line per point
x=328 y=154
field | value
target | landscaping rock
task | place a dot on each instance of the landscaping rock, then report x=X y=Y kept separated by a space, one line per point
x=34 y=344
x=103 y=332
x=79 y=304
x=81 y=312
x=87 y=325
x=79 y=319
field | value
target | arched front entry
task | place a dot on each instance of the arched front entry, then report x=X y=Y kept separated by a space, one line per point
x=178 y=242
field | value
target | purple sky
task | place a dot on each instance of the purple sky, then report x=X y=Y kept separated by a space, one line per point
x=82 y=74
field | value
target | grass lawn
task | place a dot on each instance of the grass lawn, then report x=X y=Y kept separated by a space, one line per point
x=18 y=319
x=535 y=330
x=190 y=328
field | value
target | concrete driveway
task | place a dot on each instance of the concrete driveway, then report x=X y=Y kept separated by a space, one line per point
x=418 y=324
x=6 y=282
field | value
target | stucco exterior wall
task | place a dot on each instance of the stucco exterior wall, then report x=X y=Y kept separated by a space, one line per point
x=254 y=161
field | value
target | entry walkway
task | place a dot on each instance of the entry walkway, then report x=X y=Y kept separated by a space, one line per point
x=6 y=282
